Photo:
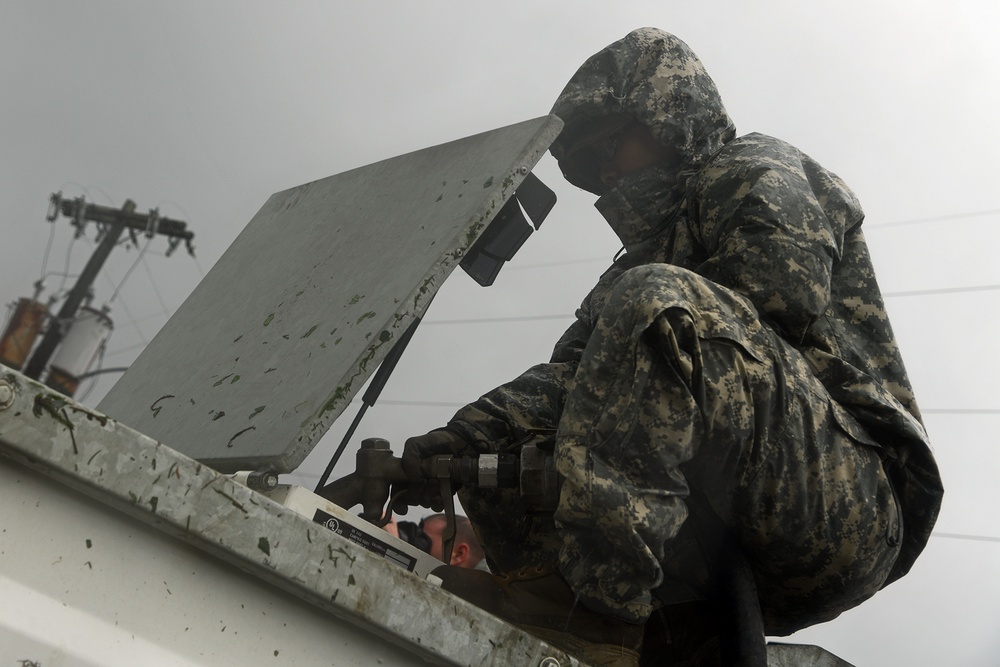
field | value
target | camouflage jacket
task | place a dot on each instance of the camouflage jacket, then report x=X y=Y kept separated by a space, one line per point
x=755 y=215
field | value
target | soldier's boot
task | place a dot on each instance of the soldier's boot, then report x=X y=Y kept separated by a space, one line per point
x=539 y=601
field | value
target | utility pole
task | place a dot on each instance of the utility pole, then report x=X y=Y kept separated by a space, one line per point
x=115 y=223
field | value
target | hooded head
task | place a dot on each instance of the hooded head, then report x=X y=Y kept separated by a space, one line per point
x=654 y=78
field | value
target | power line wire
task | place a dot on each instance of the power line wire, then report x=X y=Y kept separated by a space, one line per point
x=127 y=348
x=422 y=404
x=528 y=318
x=130 y=270
x=156 y=289
x=944 y=290
x=128 y=312
x=545 y=265
x=936 y=218
x=874 y=225
x=449 y=404
x=69 y=252
x=48 y=247
x=960 y=536
x=198 y=265
x=513 y=318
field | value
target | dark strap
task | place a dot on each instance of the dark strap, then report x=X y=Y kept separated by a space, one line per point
x=735 y=590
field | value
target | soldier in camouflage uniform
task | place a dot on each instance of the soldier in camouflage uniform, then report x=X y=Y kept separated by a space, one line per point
x=738 y=352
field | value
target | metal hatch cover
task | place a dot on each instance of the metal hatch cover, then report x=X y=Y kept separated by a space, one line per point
x=272 y=345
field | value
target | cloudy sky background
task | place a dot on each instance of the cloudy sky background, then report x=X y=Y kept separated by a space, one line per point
x=203 y=109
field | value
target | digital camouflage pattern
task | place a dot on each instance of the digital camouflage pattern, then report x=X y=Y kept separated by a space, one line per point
x=740 y=348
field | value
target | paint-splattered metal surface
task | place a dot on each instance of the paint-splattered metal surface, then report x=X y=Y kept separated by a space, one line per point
x=366 y=599
x=284 y=330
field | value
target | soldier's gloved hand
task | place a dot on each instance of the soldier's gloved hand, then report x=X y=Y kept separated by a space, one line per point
x=419 y=489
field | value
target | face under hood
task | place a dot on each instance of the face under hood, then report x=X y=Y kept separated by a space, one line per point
x=651 y=76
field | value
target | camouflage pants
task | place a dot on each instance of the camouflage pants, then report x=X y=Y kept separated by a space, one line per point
x=680 y=387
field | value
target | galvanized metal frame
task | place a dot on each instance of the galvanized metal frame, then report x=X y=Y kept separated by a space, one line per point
x=118 y=466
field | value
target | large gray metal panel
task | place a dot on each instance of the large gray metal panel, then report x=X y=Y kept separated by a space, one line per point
x=272 y=345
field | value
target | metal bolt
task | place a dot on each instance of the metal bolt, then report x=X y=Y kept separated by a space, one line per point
x=262 y=480
x=489 y=465
x=6 y=395
x=549 y=662
x=524 y=172
x=375 y=443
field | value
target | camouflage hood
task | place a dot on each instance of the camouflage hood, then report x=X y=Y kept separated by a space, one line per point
x=655 y=78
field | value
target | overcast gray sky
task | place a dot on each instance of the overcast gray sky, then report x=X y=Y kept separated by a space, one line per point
x=204 y=109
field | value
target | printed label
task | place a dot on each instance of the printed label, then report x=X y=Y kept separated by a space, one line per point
x=369 y=542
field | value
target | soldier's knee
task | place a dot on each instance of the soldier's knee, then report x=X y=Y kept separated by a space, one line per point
x=643 y=293
x=654 y=275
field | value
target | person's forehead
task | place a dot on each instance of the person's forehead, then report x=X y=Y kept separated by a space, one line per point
x=433 y=523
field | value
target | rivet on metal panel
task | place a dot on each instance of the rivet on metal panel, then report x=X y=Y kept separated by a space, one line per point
x=524 y=172
x=549 y=662
x=6 y=395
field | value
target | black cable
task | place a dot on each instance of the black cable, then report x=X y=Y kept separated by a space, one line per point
x=370 y=396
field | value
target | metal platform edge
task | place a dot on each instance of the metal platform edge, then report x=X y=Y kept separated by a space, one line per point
x=134 y=474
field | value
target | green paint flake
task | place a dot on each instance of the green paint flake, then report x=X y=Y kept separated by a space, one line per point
x=268 y=319
x=367 y=316
x=351 y=581
x=222 y=380
x=235 y=503
x=354 y=299
x=270 y=369
x=470 y=236
x=53 y=404
x=440 y=197
x=488 y=183
x=259 y=409
x=309 y=333
x=348 y=556
x=153 y=502
x=264 y=545
x=219 y=415
x=236 y=340
x=89 y=543
x=330 y=551
x=384 y=337
x=235 y=378
x=337 y=342
x=338 y=396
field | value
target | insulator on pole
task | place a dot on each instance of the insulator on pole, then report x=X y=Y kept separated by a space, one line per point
x=55 y=202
